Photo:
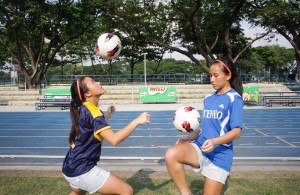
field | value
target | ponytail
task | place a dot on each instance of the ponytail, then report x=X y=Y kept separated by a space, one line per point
x=77 y=92
x=235 y=80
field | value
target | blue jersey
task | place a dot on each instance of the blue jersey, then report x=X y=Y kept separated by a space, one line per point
x=86 y=149
x=221 y=113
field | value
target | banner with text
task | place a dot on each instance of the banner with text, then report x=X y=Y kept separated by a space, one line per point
x=157 y=94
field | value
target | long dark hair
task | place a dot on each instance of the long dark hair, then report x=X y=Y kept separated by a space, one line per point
x=235 y=80
x=76 y=103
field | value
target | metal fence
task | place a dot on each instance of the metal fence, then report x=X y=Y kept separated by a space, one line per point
x=150 y=79
x=135 y=78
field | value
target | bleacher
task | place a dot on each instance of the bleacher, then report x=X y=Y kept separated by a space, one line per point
x=270 y=99
x=54 y=98
x=58 y=96
x=252 y=96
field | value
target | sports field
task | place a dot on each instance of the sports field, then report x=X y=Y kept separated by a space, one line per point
x=149 y=182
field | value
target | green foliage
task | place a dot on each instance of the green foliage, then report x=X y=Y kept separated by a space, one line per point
x=274 y=58
x=34 y=32
x=264 y=58
x=167 y=66
x=2 y=73
x=281 y=16
x=53 y=34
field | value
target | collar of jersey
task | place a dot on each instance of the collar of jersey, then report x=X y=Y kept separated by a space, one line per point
x=94 y=110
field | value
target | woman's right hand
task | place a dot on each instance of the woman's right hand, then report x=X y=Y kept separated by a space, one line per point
x=183 y=140
x=192 y=136
x=143 y=118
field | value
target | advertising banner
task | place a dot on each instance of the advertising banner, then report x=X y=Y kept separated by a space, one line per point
x=57 y=93
x=157 y=94
x=251 y=94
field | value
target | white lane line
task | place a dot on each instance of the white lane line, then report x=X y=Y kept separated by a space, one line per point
x=272 y=143
x=291 y=125
x=49 y=147
x=264 y=147
x=285 y=141
x=280 y=128
x=34 y=130
x=142 y=158
x=249 y=144
x=260 y=132
x=53 y=136
x=249 y=133
x=102 y=157
x=108 y=147
x=35 y=136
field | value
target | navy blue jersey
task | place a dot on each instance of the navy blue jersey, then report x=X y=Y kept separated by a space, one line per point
x=86 y=149
x=221 y=113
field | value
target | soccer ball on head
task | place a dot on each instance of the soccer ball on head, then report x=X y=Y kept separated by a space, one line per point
x=186 y=119
x=108 y=46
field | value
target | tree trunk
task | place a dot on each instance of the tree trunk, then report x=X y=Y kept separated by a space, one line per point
x=110 y=71
x=93 y=66
x=131 y=69
x=298 y=63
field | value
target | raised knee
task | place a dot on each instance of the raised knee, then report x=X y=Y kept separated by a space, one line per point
x=170 y=154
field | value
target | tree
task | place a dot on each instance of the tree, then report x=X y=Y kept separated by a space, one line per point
x=209 y=28
x=133 y=44
x=34 y=32
x=283 y=16
x=273 y=59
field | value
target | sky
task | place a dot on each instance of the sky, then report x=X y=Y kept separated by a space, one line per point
x=249 y=32
x=278 y=39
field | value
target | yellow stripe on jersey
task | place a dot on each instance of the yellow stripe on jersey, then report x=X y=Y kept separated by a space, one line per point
x=73 y=145
x=97 y=133
x=95 y=111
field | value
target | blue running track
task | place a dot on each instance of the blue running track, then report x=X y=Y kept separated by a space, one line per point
x=41 y=138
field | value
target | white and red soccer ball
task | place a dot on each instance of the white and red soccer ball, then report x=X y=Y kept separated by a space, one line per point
x=108 y=46
x=186 y=119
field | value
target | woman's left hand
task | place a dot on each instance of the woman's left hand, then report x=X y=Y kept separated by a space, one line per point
x=208 y=146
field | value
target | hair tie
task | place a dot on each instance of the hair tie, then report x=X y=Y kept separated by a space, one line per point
x=224 y=65
x=78 y=90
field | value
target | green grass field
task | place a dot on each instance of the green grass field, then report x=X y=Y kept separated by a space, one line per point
x=154 y=183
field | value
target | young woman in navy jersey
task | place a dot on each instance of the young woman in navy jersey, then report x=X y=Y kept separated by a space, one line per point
x=210 y=149
x=89 y=129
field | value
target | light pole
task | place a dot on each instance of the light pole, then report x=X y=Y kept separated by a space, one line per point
x=12 y=72
x=145 y=72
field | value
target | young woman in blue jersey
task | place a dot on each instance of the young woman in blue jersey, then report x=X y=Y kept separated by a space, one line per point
x=210 y=149
x=89 y=129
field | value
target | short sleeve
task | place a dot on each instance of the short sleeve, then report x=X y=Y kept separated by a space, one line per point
x=100 y=125
x=236 y=116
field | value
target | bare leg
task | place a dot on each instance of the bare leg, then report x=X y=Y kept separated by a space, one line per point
x=175 y=157
x=77 y=191
x=212 y=187
x=115 y=185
